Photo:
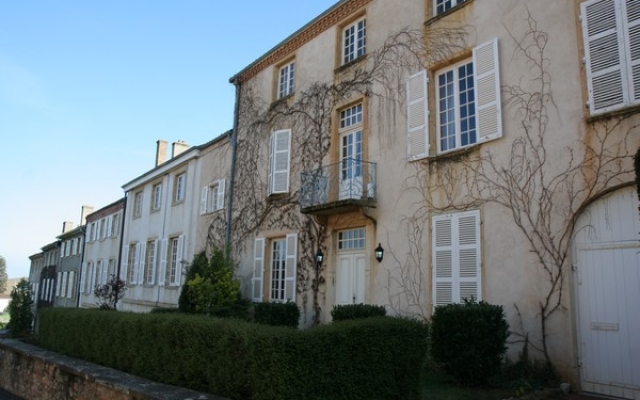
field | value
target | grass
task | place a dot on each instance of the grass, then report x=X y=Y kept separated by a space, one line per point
x=4 y=319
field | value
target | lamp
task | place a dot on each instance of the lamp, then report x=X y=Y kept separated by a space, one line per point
x=379 y=252
x=319 y=257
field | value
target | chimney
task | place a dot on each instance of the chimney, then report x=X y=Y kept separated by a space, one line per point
x=178 y=148
x=86 y=210
x=161 y=152
x=67 y=226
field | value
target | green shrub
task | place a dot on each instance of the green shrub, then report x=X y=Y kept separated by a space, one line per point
x=357 y=311
x=372 y=359
x=469 y=340
x=277 y=314
x=210 y=284
x=21 y=316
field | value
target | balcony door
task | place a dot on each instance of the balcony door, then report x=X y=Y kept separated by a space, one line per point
x=351 y=153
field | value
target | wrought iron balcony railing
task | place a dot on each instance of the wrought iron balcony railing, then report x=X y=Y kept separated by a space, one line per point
x=348 y=182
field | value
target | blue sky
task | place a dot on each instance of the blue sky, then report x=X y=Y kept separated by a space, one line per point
x=87 y=87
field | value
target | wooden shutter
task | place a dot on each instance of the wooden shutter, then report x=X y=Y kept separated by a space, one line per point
x=72 y=278
x=220 y=194
x=163 y=262
x=98 y=225
x=631 y=33
x=291 y=265
x=601 y=29
x=124 y=273
x=417 y=116
x=179 y=258
x=83 y=274
x=487 y=93
x=109 y=222
x=456 y=258
x=203 y=199
x=153 y=272
x=280 y=158
x=258 y=269
x=142 y=251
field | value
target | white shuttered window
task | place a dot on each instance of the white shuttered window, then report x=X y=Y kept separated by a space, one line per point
x=418 y=116
x=611 y=33
x=279 y=162
x=456 y=258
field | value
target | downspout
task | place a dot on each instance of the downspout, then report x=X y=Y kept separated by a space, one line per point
x=78 y=288
x=233 y=136
x=124 y=215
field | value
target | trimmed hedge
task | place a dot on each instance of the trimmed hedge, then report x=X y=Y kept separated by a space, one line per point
x=277 y=314
x=469 y=340
x=357 y=311
x=374 y=358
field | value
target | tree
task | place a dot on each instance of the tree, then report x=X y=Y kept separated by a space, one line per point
x=3 y=275
x=109 y=293
x=20 y=309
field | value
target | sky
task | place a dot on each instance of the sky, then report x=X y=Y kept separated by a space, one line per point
x=87 y=87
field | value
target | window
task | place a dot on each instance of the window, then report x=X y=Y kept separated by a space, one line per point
x=70 y=284
x=351 y=147
x=87 y=280
x=157 y=197
x=456 y=257
x=83 y=277
x=98 y=274
x=468 y=107
x=354 y=41
x=150 y=262
x=63 y=284
x=92 y=234
x=351 y=239
x=115 y=225
x=111 y=269
x=282 y=269
x=103 y=228
x=175 y=260
x=611 y=32
x=137 y=204
x=212 y=197
x=59 y=284
x=279 y=161
x=286 y=80
x=445 y=5
x=180 y=187
x=74 y=247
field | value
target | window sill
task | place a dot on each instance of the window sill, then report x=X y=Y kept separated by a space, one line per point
x=448 y=12
x=282 y=101
x=350 y=64
x=622 y=112
x=177 y=203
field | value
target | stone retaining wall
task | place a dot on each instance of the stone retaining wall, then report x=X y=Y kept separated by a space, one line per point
x=36 y=374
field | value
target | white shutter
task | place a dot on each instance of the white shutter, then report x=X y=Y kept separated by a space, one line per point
x=456 y=258
x=179 y=258
x=290 y=276
x=72 y=277
x=139 y=278
x=152 y=270
x=104 y=272
x=220 y=202
x=98 y=226
x=163 y=262
x=258 y=269
x=417 y=116
x=280 y=167
x=487 y=94
x=124 y=273
x=83 y=274
x=601 y=29
x=203 y=199
x=87 y=233
x=631 y=20
x=109 y=221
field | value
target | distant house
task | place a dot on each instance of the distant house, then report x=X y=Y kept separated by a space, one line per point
x=165 y=208
x=47 y=282
x=102 y=245
x=68 y=272
x=5 y=297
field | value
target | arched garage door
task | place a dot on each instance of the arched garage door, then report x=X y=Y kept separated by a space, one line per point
x=607 y=287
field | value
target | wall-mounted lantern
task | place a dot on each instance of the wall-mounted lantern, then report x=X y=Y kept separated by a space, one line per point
x=319 y=257
x=379 y=252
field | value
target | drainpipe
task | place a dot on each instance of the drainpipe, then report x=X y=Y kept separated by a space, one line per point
x=233 y=136
x=124 y=214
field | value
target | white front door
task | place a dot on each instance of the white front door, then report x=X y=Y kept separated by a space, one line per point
x=607 y=287
x=350 y=279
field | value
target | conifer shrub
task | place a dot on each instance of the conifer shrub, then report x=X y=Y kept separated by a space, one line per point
x=469 y=340
x=20 y=305
x=357 y=311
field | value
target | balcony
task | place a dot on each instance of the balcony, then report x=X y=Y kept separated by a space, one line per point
x=340 y=187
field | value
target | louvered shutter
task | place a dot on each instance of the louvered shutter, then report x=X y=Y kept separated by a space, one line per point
x=280 y=158
x=109 y=222
x=290 y=277
x=152 y=267
x=142 y=251
x=72 y=278
x=601 y=29
x=203 y=200
x=179 y=258
x=487 y=94
x=417 y=116
x=220 y=202
x=163 y=262
x=456 y=258
x=258 y=270
x=125 y=264
x=631 y=18
x=98 y=226
x=83 y=274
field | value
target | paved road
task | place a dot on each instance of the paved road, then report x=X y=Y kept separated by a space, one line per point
x=4 y=395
